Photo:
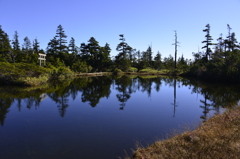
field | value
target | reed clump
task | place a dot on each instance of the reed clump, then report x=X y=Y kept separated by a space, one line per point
x=218 y=137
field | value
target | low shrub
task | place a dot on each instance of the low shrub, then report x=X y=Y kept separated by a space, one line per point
x=131 y=69
x=30 y=74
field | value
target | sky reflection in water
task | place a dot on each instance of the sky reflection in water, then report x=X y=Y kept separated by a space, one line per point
x=100 y=117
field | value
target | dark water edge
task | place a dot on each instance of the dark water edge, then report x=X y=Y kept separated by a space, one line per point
x=100 y=117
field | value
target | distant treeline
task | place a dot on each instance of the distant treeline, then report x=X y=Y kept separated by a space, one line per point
x=218 y=61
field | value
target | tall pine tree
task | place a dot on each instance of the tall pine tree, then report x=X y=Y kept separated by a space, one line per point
x=61 y=38
x=72 y=48
x=52 y=46
x=5 y=46
x=16 y=47
x=123 y=58
x=27 y=46
x=36 y=46
x=208 y=42
x=158 y=61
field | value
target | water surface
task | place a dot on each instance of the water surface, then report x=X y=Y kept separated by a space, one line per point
x=103 y=117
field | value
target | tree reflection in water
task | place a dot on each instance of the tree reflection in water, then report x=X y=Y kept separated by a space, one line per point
x=175 y=97
x=96 y=89
x=5 y=104
x=124 y=88
x=92 y=89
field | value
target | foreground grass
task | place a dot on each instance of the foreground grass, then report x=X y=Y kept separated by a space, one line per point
x=219 y=137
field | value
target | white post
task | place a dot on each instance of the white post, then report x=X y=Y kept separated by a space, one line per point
x=42 y=57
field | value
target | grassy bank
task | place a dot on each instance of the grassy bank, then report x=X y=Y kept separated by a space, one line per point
x=94 y=74
x=218 y=137
x=25 y=74
x=148 y=71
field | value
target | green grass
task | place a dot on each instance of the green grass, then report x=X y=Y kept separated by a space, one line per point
x=218 y=137
x=33 y=81
x=149 y=70
x=30 y=74
x=131 y=69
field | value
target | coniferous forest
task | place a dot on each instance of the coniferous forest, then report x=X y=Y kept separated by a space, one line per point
x=220 y=60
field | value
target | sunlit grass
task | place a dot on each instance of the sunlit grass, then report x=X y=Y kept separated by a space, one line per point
x=218 y=137
x=34 y=81
x=149 y=70
x=31 y=74
x=132 y=69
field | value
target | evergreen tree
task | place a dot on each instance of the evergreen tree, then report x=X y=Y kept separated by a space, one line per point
x=36 y=46
x=228 y=40
x=123 y=48
x=72 y=48
x=90 y=52
x=230 y=43
x=133 y=57
x=33 y=58
x=149 y=56
x=84 y=54
x=137 y=59
x=52 y=46
x=52 y=50
x=5 y=46
x=123 y=59
x=220 y=44
x=61 y=39
x=81 y=67
x=233 y=42
x=182 y=63
x=16 y=47
x=158 y=61
x=26 y=47
x=93 y=49
x=104 y=59
x=168 y=62
x=25 y=54
x=208 y=41
x=96 y=56
x=144 y=60
x=15 y=42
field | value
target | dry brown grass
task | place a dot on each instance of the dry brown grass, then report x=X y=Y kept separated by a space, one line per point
x=218 y=138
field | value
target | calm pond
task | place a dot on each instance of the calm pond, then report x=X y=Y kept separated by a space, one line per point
x=103 y=117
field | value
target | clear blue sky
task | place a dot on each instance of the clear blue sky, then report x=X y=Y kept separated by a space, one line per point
x=143 y=22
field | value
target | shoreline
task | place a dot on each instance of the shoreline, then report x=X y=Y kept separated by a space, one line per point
x=36 y=81
x=218 y=137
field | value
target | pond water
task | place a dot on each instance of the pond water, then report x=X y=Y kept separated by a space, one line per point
x=103 y=117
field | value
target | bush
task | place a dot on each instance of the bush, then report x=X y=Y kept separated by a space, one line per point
x=81 y=67
x=33 y=81
x=117 y=71
x=27 y=74
x=148 y=70
x=17 y=73
x=131 y=69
